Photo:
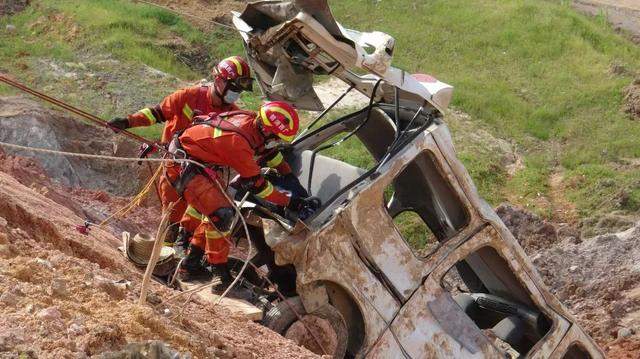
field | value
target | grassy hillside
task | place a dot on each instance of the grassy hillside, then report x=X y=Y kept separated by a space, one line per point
x=110 y=57
x=534 y=72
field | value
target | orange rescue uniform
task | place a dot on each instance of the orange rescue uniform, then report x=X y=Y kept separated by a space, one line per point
x=176 y=111
x=225 y=148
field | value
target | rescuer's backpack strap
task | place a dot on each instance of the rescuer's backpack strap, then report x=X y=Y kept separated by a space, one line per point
x=220 y=122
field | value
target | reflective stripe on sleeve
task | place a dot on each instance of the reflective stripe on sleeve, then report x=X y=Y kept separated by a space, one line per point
x=192 y=212
x=275 y=161
x=267 y=191
x=187 y=111
x=215 y=234
x=149 y=115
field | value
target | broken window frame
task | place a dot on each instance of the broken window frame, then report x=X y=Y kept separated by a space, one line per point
x=426 y=117
x=415 y=250
x=558 y=326
x=454 y=193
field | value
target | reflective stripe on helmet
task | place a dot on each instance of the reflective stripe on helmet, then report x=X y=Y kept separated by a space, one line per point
x=234 y=59
x=284 y=112
x=263 y=116
x=286 y=138
x=149 y=115
x=268 y=123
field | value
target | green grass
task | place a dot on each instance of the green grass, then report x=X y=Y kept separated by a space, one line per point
x=94 y=32
x=533 y=71
x=419 y=237
x=131 y=32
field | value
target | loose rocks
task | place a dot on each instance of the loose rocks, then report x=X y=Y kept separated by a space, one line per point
x=51 y=313
x=59 y=288
x=147 y=350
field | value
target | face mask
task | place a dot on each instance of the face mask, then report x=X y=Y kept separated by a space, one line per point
x=273 y=144
x=231 y=96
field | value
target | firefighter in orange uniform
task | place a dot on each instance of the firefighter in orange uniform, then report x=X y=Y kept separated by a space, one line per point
x=232 y=140
x=231 y=76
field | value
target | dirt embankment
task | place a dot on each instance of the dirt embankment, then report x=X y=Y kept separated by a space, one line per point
x=26 y=122
x=624 y=15
x=65 y=295
x=596 y=278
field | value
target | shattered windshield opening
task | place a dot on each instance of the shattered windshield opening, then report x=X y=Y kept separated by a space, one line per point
x=328 y=174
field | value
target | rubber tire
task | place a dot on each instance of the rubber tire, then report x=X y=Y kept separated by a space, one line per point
x=282 y=316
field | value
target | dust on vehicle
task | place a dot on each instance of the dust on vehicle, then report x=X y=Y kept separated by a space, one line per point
x=403 y=259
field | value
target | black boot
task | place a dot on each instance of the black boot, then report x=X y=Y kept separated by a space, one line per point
x=192 y=267
x=221 y=271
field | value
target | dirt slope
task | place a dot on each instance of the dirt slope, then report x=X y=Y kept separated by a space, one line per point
x=596 y=278
x=622 y=14
x=26 y=122
x=60 y=300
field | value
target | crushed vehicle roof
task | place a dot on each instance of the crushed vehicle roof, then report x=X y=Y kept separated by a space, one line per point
x=288 y=42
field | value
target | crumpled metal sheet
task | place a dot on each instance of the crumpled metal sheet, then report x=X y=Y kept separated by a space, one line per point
x=266 y=14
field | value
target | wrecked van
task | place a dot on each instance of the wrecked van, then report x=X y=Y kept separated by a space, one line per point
x=461 y=286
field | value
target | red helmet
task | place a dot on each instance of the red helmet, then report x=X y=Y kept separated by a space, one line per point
x=280 y=118
x=234 y=70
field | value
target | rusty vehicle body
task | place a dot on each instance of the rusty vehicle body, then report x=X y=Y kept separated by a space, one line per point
x=470 y=291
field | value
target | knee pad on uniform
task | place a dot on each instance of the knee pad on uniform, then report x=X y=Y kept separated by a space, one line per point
x=222 y=218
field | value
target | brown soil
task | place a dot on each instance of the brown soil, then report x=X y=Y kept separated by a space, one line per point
x=61 y=299
x=91 y=205
x=299 y=332
x=10 y=7
x=596 y=278
x=563 y=209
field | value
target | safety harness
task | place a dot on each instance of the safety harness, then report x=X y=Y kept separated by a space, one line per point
x=189 y=171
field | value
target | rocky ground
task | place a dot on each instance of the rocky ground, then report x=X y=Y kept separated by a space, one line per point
x=596 y=278
x=66 y=295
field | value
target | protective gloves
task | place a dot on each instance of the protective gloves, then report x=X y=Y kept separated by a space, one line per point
x=304 y=207
x=118 y=124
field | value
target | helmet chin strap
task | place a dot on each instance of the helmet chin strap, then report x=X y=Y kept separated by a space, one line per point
x=216 y=81
x=268 y=137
